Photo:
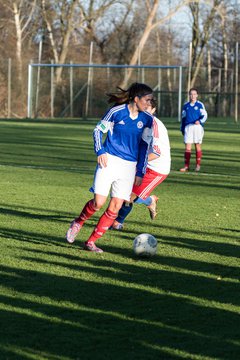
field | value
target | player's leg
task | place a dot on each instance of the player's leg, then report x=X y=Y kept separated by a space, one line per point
x=101 y=187
x=88 y=210
x=198 y=156
x=123 y=213
x=124 y=175
x=151 y=180
x=151 y=203
x=198 y=137
x=188 y=140
x=105 y=221
x=187 y=157
x=141 y=195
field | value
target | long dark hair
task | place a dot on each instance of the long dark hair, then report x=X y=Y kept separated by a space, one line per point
x=126 y=96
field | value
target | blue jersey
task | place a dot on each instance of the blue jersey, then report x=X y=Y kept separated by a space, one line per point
x=124 y=135
x=193 y=112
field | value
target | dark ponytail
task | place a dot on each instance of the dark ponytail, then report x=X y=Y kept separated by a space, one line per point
x=127 y=96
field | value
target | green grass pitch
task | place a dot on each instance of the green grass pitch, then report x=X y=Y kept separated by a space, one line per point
x=59 y=302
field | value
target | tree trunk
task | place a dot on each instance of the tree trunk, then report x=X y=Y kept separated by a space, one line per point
x=18 y=43
x=225 y=63
x=142 y=42
x=66 y=39
x=204 y=41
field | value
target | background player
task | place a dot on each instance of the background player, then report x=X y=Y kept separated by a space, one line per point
x=121 y=159
x=158 y=168
x=194 y=116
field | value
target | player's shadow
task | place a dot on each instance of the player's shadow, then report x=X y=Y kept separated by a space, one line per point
x=120 y=317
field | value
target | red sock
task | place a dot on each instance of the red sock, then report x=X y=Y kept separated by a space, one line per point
x=187 y=157
x=105 y=221
x=88 y=210
x=198 y=157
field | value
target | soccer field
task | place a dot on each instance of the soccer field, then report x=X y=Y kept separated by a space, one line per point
x=59 y=302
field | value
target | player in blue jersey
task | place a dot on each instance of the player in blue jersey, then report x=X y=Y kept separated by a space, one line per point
x=194 y=116
x=158 y=168
x=121 y=159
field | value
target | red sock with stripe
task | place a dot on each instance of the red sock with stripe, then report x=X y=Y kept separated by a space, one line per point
x=198 y=157
x=104 y=223
x=88 y=210
x=187 y=157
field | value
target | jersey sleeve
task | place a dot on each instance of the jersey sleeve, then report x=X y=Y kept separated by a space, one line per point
x=183 y=122
x=142 y=158
x=155 y=145
x=102 y=127
x=204 y=115
x=147 y=135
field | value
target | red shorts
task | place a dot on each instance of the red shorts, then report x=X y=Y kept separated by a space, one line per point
x=150 y=180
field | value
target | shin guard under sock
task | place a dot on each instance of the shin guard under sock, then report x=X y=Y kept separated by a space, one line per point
x=105 y=221
x=187 y=157
x=198 y=157
x=88 y=210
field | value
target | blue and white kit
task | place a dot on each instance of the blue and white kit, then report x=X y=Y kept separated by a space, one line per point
x=126 y=151
x=124 y=136
x=191 y=113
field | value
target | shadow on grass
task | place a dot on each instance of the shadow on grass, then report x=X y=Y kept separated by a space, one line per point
x=72 y=313
x=169 y=281
x=214 y=246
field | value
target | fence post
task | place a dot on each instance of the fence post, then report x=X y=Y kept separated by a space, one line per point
x=71 y=89
x=236 y=86
x=180 y=94
x=189 y=66
x=9 y=87
x=159 y=89
x=52 y=90
x=29 y=107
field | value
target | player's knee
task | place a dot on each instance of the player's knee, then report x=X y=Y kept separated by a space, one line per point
x=115 y=204
x=98 y=204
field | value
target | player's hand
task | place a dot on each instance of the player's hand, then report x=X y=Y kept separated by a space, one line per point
x=102 y=160
x=138 y=181
x=197 y=122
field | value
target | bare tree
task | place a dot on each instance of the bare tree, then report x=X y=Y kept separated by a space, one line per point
x=225 y=57
x=66 y=24
x=22 y=12
x=109 y=27
x=151 y=24
x=200 y=37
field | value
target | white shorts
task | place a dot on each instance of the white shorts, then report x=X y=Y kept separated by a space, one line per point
x=119 y=176
x=193 y=134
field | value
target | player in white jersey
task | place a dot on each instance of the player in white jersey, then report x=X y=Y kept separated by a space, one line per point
x=121 y=159
x=194 y=116
x=158 y=168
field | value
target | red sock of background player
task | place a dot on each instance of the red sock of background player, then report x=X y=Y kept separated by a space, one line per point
x=187 y=157
x=88 y=210
x=198 y=157
x=104 y=223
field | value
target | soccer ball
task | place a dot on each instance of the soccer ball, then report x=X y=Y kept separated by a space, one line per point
x=145 y=245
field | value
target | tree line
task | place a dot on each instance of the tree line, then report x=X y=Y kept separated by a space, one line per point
x=195 y=34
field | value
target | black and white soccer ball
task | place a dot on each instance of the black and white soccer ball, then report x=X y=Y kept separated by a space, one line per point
x=145 y=245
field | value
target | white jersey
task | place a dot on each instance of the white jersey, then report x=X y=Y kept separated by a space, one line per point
x=160 y=146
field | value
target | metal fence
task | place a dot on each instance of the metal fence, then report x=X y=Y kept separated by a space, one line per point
x=81 y=91
x=82 y=87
